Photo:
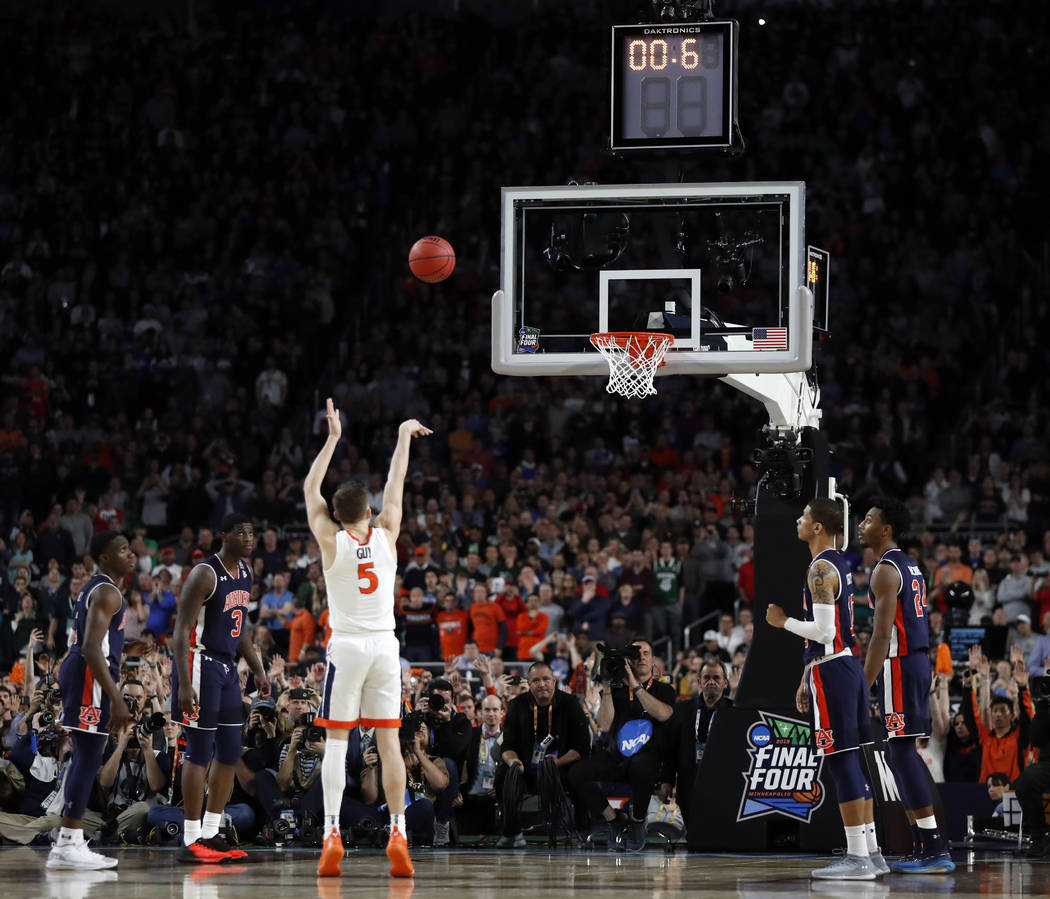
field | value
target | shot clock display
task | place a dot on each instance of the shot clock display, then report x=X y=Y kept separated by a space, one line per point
x=673 y=86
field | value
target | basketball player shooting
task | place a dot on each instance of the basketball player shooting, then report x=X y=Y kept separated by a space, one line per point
x=833 y=686
x=206 y=690
x=92 y=706
x=362 y=684
x=898 y=662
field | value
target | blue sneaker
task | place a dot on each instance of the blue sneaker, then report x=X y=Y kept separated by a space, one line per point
x=935 y=863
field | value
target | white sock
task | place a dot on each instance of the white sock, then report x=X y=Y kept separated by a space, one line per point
x=210 y=827
x=331 y=822
x=397 y=822
x=856 y=841
x=927 y=823
x=333 y=779
x=69 y=836
x=191 y=832
x=869 y=832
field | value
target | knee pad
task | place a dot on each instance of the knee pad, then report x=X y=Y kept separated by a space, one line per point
x=909 y=771
x=227 y=745
x=199 y=745
x=851 y=783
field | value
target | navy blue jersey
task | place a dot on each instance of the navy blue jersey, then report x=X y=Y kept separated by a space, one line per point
x=113 y=640
x=911 y=632
x=843 y=638
x=222 y=614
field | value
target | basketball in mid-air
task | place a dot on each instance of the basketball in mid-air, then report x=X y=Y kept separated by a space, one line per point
x=431 y=259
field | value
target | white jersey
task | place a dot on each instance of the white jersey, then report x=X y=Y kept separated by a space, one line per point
x=361 y=584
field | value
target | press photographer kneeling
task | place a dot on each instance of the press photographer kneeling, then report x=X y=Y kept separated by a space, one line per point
x=545 y=731
x=634 y=708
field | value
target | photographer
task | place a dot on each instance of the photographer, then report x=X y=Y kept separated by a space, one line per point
x=296 y=783
x=449 y=739
x=427 y=779
x=634 y=709
x=30 y=783
x=543 y=723
x=1034 y=781
x=133 y=775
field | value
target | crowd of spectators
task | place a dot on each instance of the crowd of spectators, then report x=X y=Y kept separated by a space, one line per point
x=200 y=222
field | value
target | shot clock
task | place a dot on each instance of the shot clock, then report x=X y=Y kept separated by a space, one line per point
x=673 y=86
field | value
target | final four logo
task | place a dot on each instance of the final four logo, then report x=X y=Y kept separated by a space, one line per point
x=784 y=775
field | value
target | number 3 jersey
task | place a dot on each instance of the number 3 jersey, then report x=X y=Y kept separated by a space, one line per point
x=911 y=632
x=361 y=584
x=222 y=615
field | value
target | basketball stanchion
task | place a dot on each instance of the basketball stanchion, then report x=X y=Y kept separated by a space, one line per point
x=633 y=357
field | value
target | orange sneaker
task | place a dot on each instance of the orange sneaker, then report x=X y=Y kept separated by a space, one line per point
x=397 y=852
x=331 y=855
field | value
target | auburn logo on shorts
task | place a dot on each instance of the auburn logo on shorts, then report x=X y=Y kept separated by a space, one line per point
x=895 y=722
x=90 y=716
x=825 y=739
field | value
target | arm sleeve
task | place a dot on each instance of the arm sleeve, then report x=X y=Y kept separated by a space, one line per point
x=821 y=628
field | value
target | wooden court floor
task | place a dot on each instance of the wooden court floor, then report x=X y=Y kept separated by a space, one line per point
x=493 y=874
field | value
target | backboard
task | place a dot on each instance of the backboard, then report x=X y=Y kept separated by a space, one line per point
x=721 y=267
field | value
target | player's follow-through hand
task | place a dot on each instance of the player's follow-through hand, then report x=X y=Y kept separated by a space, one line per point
x=415 y=428
x=335 y=423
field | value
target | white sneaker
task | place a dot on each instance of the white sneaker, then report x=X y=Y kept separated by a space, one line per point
x=441 y=833
x=68 y=884
x=77 y=855
x=850 y=867
x=878 y=862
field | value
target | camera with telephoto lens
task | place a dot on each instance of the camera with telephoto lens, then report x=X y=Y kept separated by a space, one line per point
x=435 y=703
x=312 y=733
x=1040 y=687
x=52 y=692
x=613 y=663
x=46 y=719
x=150 y=723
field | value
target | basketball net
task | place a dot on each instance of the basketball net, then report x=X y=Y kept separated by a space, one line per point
x=633 y=357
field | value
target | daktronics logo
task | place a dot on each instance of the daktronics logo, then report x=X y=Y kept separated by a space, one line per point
x=784 y=775
x=671 y=29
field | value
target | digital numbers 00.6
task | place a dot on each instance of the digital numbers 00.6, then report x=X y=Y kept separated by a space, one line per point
x=656 y=55
x=689 y=101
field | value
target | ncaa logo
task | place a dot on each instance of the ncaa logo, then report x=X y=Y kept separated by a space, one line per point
x=759 y=735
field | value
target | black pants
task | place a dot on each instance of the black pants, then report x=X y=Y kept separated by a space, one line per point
x=1030 y=786
x=640 y=771
x=513 y=787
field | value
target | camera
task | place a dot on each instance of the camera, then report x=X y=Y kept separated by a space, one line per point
x=1040 y=687
x=613 y=663
x=311 y=732
x=410 y=726
x=266 y=713
x=52 y=693
x=131 y=702
x=47 y=743
x=150 y=723
x=515 y=679
x=46 y=719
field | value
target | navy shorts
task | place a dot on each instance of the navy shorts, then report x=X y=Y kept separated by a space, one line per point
x=903 y=687
x=838 y=699
x=218 y=689
x=85 y=707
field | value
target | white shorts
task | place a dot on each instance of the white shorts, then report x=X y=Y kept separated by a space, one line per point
x=362 y=682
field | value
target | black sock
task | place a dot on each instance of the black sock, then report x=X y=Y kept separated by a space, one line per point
x=932 y=841
x=917 y=838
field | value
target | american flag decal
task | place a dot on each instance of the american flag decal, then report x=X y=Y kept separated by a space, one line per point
x=770 y=338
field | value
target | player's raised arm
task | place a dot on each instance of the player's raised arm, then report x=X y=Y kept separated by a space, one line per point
x=390 y=518
x=885 y=582
x=321 y=524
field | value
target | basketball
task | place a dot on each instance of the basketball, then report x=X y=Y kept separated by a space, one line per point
x=431 y=259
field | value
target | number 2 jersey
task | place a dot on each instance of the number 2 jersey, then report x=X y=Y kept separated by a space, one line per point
x=221 y=618
x=844 y=637
x=911 y=632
